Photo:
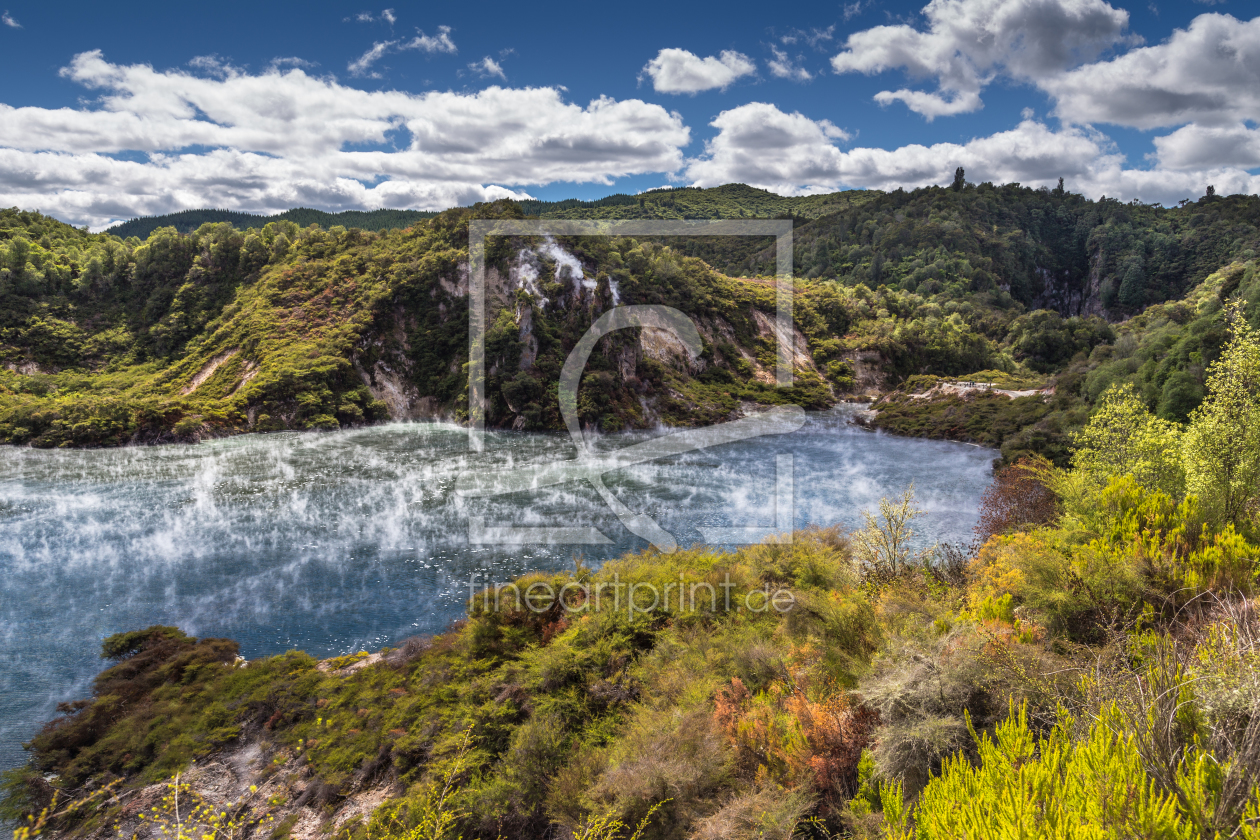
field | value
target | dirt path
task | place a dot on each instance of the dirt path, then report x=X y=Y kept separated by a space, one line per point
x=961 y=388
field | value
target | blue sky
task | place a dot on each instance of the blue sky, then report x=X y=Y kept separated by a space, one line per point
x=105 y=113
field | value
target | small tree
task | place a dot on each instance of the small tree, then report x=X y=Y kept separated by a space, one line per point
x=1018 y=497
x=1123 y=438
x=1222 y=445
x=883 y=545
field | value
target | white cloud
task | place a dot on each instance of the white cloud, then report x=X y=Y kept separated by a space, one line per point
x=1208 y=73
x=362 y=65
x=852 y=10
x=98 y=190
x=8 y=20
x=680 y=71
x=760 y=145
x=1197 y=147
x=784 y=67
x=290 y=61
x=933 y=105
x=439 y=43
x=968 y=42
x=282 y=138
x=1203 y=80
x=487 y=68
x=815 y=36
x=386 y=15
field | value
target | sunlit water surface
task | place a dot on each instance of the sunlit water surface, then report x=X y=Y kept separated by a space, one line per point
x=337 y=542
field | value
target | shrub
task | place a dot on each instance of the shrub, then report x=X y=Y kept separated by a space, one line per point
x=1123 y=438
x=1055 y=786
x=670 y=755
x=768 y=812
x=1017 y=498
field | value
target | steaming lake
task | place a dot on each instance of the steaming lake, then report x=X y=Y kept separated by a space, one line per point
x=351 y=540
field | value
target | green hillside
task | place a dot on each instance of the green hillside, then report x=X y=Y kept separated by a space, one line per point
x=224 y=329
x=731 y=201
x=186 y=221
x=106 y=341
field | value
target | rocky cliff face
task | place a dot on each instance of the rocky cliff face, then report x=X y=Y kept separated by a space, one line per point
x=540 y=298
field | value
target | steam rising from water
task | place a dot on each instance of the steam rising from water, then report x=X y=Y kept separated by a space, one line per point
x=342 y=541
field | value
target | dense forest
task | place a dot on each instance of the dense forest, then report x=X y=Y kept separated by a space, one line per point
x=226 y=328
x=1088 y=667
x=732 y=201
x=187 y=221
x=107 y=341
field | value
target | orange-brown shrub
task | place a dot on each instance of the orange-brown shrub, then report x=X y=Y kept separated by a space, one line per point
x=782 y=734
x=1018 y=497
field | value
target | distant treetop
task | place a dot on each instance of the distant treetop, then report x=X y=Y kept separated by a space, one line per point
x=186 y=221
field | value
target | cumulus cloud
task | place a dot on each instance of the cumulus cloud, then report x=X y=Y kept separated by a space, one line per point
x=791 y=154
x=969 y=42
x=1204 y=80
x=282 y=137
x=680 y=71
x=8 y=20
x=784 y=67
x=1197 y=147
x=760 y=145
x=1208 y=73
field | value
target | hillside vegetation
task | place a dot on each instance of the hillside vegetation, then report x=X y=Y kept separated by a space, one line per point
x=187 y=221
x=1089 y=667
x=226 y=329
x=222 y=330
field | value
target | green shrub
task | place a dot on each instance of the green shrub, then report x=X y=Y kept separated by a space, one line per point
x=1056 y=786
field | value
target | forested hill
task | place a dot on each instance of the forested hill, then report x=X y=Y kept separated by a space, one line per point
x=1047 y=248
x=733 y=201
x=223 y=329
x=730 y=201
x=186 y=221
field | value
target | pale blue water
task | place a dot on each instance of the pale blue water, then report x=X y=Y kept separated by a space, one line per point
x=351 y=540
